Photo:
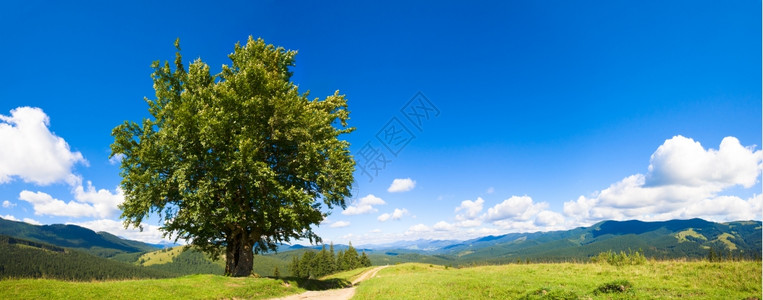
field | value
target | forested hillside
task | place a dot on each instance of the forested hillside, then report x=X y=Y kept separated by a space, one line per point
x=28 y=259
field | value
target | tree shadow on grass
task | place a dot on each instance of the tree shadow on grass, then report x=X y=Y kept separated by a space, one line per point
x=319 y=285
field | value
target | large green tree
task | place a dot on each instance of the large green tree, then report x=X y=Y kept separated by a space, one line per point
x=235 y=162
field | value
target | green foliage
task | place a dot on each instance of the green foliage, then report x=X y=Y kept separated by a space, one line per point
x=128 y=257
x=622 y=258
x=308 y=265
x=711 y=256
x=364 y=261
x=617 y=286
x=276 y=273
x=238 y=161
x=719 y=255
x=348 y=259
x=295 y=268
x=322 y=263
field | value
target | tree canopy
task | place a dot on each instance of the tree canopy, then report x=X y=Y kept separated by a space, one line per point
x=237 y=161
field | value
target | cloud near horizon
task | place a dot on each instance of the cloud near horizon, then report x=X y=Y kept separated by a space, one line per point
x=88 y=202
x=339 y=224
x=684 y=180
x=25 y=220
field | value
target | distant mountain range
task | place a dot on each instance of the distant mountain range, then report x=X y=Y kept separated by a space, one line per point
x=692 y=238
x=662 y=240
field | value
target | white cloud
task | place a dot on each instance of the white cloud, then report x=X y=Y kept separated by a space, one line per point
x=10 y=218
x=364 y=205
x=377 y=230
x=150 y=233
x=470 y=216
x=517 y=226
x=419 y=228
x=339 y=224
x=522 y=214
x=443 y=226
x=515 y=208
x=397 y=214
x=89 y=203
x=8 y=204
x=401 y=185
x=471 y=209
x=483 y=231
x=31 y=152
x=32 y=221
x=490 y=190
x=469 y=223
x=683 y=161
x=45 y=204
x=104 y=201
x=684 y=181
x=549 y=218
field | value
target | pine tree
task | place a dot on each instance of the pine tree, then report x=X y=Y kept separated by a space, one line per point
x=332 y=259
x=351 y=258
x=364 y=260
x=294 y=267
x=341 y=263
x=321 y=266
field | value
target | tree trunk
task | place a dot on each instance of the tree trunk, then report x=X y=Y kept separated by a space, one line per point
x=239 y=257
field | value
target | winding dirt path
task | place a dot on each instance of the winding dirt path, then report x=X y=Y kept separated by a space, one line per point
x=343 y=294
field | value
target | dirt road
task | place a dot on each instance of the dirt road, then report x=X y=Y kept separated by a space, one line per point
x=345 y=293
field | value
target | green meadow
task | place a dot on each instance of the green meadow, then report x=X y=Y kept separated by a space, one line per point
x=202 y=286
x=652 y=280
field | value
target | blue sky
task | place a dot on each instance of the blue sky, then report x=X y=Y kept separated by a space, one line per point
x=545 y=115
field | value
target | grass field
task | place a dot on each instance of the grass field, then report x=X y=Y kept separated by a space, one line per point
x=690 y=280
x=186 y=287
x=653 y=280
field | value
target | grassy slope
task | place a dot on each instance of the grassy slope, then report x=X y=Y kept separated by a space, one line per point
x=160 y=257
x=696 y=280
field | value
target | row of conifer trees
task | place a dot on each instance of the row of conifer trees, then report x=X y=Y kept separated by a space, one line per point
x=317 y=264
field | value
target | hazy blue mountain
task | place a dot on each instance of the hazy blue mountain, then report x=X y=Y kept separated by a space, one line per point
x=421 y=244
